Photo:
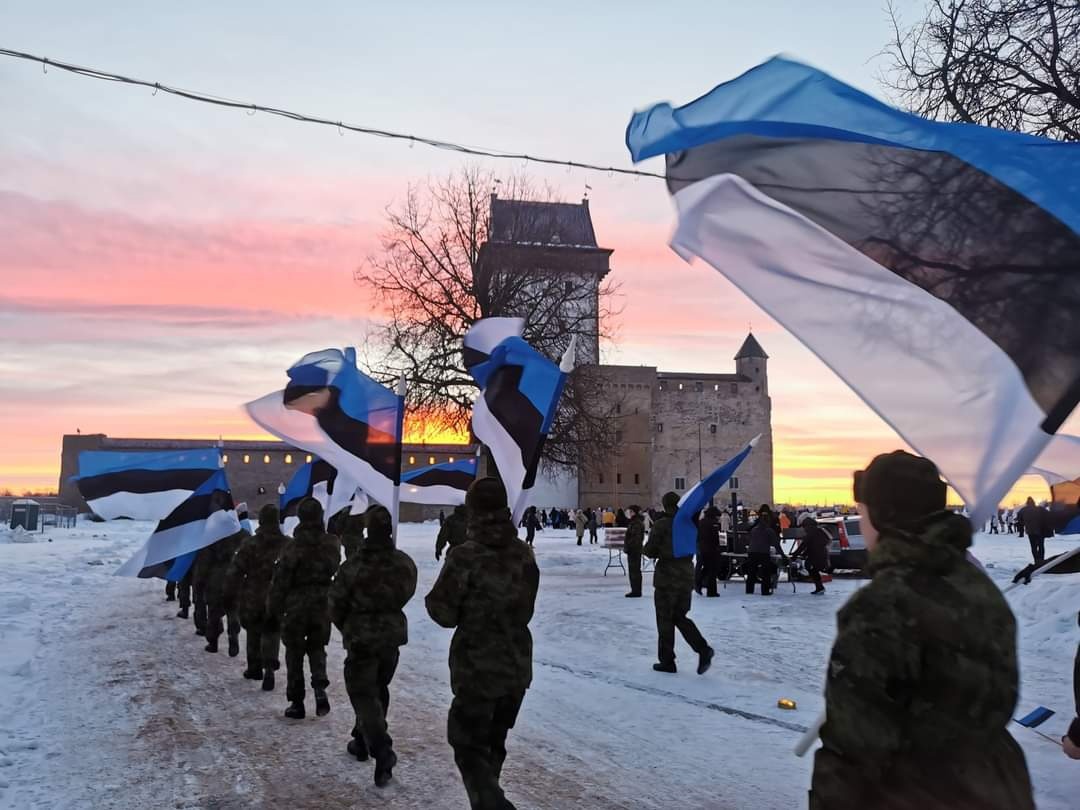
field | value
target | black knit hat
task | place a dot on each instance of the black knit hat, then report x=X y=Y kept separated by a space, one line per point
x=378 y=523
x=900 y=489
x=268 y=516
x=670 y=501
x=310 y=511
x=486 y=495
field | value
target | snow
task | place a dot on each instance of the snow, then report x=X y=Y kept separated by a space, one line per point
x=108 y=701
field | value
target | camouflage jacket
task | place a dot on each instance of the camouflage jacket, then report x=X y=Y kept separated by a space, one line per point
x=369 y=594
x=453 y=531
x=247 y=581
x=302 y=576
x=635 y=535
x=212 y=565
x=487 y=590
x=672 y=573
x=352 y=538
x=922 y=683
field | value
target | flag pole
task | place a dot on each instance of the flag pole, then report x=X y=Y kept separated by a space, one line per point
x=566 y=365
x=396 y=505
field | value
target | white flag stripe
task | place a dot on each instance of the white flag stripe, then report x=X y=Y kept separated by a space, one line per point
x=433 y=495
x=139 y=505
x=181 y=540
x=487 y=333
x=504 y=450
x=951 y=393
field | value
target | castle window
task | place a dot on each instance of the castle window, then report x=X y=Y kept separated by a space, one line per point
x=451 y=459
x=699 y=386
x=309 y=458
x=712 y=428
x=266 y=458
x=600 y=477
x=757 y=370
x=431 y=460
x=680 y=386
x=757 y=388
x=680 y=482
x=618 y=408
x=637 y=478
x=659 y=427
x=412 y=459
x=288 y=458
x=618 y=478
x=660 y=385
x=716 y=387
x=247 y=458
x=734 y=388
x=618 y=436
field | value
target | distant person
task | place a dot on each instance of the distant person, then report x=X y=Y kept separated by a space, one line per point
x=452 y=532
x=532 y=523
x=590 y=522
x=814 y=548
x=621 y=520
x=487 y=592
x=247 y=584
x=442 y=518
x=1036 y=522
x=297 y=602
x=634 y=544
x=367 y=604
x=759 y=564
x=922 y=680
x=708 y=543
x=213 y=562
x=609 y=518
x=673 y=583
x=579 y=524
x=352 y=535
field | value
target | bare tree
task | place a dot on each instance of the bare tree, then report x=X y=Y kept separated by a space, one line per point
x=441 y=269
x=1013 y=64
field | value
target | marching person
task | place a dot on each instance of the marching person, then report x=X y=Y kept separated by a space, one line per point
x=367 y=604
x=633 y=545
x=213 y=566
x=452 y=532
x=673 y=582
x=759 y=564
x=247 y=584
x=352 y=535
x=922 y=681
x=297 y=603
x=814 y=546
x=487 y=591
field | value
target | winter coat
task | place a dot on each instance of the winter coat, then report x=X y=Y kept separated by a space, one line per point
x=247 y=581
x=368 y=596
x=352 y=535
x=922 y=683
x=453 y=531
x=579 y=523
x=815 y=548
x=674 y=574
x=1036 y=521
x=487 y=591
x=635 y=535
x=763 y=538
x=708 y=533
x=298 y=590
x=212 y=566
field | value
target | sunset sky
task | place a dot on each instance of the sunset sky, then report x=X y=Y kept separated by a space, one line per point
x=164 y=261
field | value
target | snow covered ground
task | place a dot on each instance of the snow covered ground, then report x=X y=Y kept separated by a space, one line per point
x=108 y=701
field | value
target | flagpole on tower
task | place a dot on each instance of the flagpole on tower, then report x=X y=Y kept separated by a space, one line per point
x=396 y=505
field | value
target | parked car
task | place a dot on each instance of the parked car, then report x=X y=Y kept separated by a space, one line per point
x=848 y=548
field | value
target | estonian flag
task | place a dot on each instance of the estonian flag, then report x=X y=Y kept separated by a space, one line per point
x=319 y=480
x=519 y=396
x=439 y=484
x=684 y=532
x=331 y=409
x=142 y=485
x=935 y=267
x=1060 y=461
x=200 y=521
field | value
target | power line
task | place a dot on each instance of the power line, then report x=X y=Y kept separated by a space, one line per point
x=221 y=101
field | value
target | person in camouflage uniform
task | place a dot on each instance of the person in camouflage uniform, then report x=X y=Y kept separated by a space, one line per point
x=198 y=575
x=922 y=680
x=352 y=536
x=452 y=532
x=247 y=584
x=212 y=566
x=367 y=601
x=673 y=582
x=634 y=543
x=183 y=594
x=487 y=590
x=297 y=604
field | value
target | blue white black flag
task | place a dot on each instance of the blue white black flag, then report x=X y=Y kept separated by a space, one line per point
x=319 y=480
x=333 y=410
x=519 y=397
x=439 y=484
x=203 y=519
x=684 y=532
x=142 y=485
x=933 y=266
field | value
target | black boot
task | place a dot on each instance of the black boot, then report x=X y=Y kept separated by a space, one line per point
x=384 y=766
x=234 y=646
x=358 y=749
x=200 y=631
x=668 y=667
x=632 y=595
x=253 y=673
x=816 y=591
x=268 y=681
x=182 y=613
x=211 y=645
x=705 y=660
x=296 y=710
x=170 y=598
x=322 y=703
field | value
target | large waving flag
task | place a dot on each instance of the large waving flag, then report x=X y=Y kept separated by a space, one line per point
x=1059 y=461
x=439 y=484
x=321 y=481
x=935 y=267
x=519 y=397
x=200 y=521
x=349 y=420
x=143 y=485
x=684 y=532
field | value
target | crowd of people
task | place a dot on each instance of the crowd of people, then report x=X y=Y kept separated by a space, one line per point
x=923 y=671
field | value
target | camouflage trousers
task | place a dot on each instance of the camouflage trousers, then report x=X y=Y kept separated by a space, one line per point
x=216 y=618
x=671 y=609
x=263 y=647
x=476 y=730
x=367 y=680
x=199 y=616
x=183 y=591
x=305 y=637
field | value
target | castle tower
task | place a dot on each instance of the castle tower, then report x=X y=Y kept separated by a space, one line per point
x=752 y=362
